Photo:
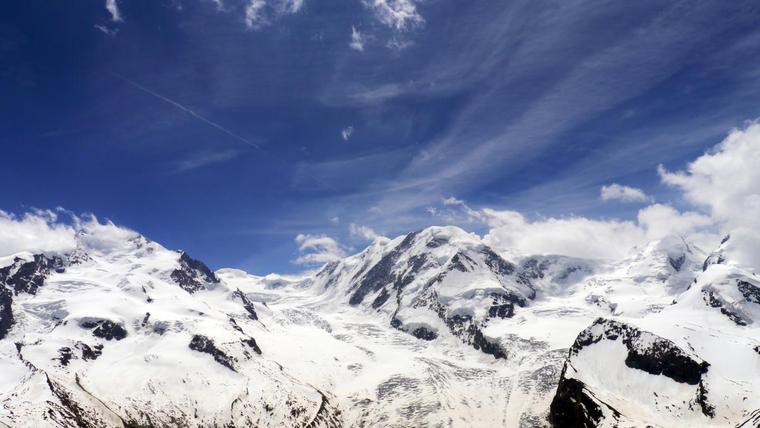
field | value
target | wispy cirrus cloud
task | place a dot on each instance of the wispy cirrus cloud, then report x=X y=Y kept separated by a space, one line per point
x=203 y=159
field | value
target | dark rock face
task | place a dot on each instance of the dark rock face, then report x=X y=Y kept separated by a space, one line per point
x=574 y=406
x=247 y=304
x=464 y=327
x=203 y=344
x=677 y=263
x=713 y=259
x=504 y=305
x=534 y=268
x=90 y=353
x=424 y=334
x=713 y=299
x=381 y=273
x=251 y=342
x=28 y=276
x=498 y=265
x=105 y=329
x=6 y=311
x=646 y=351
x=192 y=274
x=64 y=355
x=750 y=291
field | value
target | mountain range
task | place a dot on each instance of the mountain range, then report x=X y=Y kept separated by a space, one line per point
x=430 y=329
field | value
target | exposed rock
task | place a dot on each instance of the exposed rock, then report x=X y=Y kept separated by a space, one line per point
x=28 y=276
x=424 y=334
x=193 y=275
x=247 y=304
x=381 y=274
x=251 y=342
x=90 y=353
x=6 y=311
x=750 y=291
x=575 y=406
x=105 y=329
x=735 y=314
x=646 y=351
x=466 y=329
x=64 y=355
x=204 y=344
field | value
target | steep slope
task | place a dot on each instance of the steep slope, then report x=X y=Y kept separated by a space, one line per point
x=439 y=279
x=694 y=361
x=122 y=332
x=433 y=328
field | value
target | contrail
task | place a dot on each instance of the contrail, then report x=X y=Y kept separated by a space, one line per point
x=213 y=124
x=190 y=112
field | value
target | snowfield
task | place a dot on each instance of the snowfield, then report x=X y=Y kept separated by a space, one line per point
x=429 y=329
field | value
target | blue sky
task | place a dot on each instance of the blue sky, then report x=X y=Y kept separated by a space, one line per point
x=227 y=128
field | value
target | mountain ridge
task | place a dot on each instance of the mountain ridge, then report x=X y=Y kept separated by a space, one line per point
x=430 y=328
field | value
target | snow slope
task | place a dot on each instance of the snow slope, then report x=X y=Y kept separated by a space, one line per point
x=433 y=328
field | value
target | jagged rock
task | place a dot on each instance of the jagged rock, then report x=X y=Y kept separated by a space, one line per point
x=575 y=406
x=247 y=304
x=105 y=329
x=193 y=275
x=204 y=344
x=6 y=311
x=64 y=355
x=27 y=276
x=646 y=351
x=90 y=353
x=424 y=334
x=380 y=274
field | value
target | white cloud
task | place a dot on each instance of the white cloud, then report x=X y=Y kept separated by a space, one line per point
x=510 y=232
x=43 y=231
x=363 y=232
x=397 y=14
x=316 y=249
x=621 y=193
x=660 y=220
x=113 y=8
x=575 y=236
x=725 y=181
x=357 y=39
x=35 y=232
x=347 y=132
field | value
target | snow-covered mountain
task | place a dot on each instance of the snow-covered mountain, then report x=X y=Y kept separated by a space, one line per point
x=433 y=328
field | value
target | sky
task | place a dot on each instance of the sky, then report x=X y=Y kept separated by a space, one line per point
x=275 y=135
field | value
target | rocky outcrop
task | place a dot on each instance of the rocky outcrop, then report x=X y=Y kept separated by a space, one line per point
x=204 y=344
x=27 y=276
x=381 y=274
x=577 y=405
x=6 y=311
x=646 y=351
x=104 y=329
x=193 y=275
